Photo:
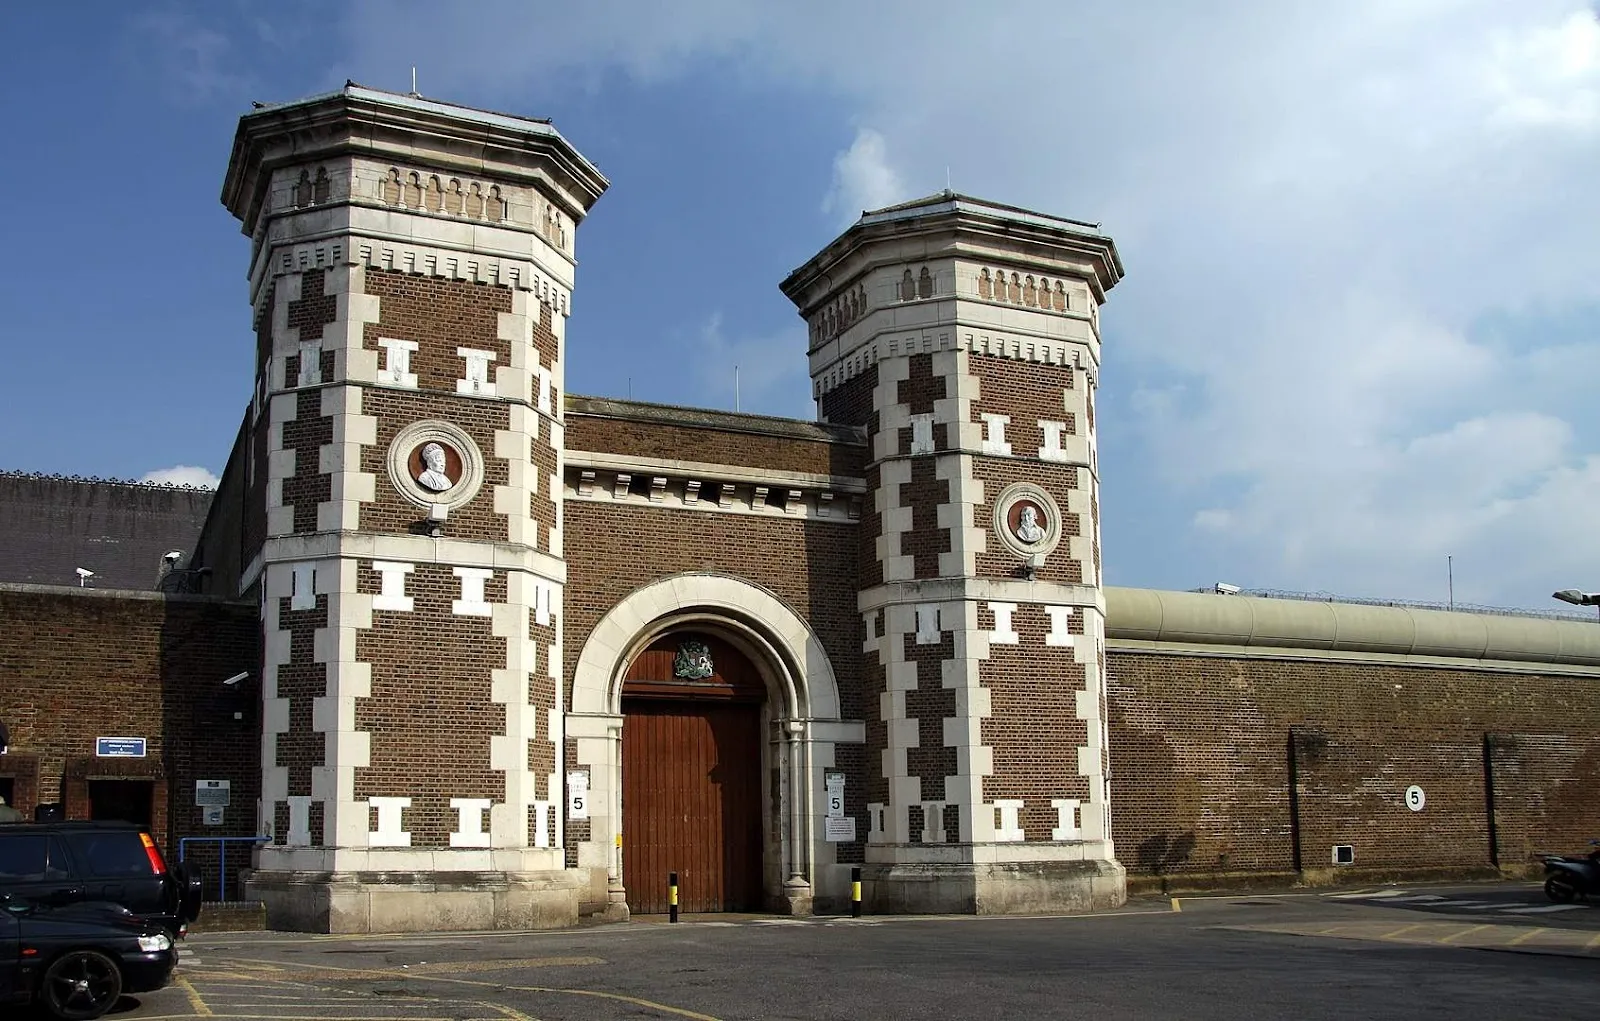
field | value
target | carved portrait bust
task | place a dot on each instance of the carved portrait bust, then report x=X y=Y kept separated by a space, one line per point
x=435 y=475
x=1029 y=530
x=1027 y=520
x=433 y=462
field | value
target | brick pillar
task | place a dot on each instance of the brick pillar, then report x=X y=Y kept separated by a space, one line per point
x=964 y=338
x=412 y=282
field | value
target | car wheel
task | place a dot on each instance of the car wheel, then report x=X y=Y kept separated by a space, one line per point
x=81 y=985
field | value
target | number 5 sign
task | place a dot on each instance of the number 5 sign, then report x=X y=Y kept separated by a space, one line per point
x=834 y=784
x=577 y=795
x=1416 y=800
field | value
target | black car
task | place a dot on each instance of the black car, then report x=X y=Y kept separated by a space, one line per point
x=77 y=961
x=56 y=864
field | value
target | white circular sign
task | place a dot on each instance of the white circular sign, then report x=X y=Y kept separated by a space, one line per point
x=1415 y=799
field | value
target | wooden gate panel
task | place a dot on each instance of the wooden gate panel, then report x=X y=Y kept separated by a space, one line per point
x=691 y=804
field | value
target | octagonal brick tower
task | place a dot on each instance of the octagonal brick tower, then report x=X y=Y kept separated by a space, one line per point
x=964 y=337
x=411 y=271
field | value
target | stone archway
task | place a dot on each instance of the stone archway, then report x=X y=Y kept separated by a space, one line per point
x=803 y=710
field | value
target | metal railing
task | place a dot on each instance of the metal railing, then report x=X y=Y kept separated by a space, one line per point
x=222 y=856
x=1417 y=604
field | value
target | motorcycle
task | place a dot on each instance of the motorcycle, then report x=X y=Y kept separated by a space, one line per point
x=1569 y=876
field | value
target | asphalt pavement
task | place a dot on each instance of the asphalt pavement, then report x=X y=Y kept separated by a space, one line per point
x=1383 y=952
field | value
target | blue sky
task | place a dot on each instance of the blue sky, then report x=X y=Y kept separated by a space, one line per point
x=1360 y=330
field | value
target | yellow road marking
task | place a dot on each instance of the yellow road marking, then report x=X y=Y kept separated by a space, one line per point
x=1457 y=935
x=1175 y=905
x=1594 y=941
x=510 y=1012
x=195 y=1001
x=1518 y=941
x=1399 y=931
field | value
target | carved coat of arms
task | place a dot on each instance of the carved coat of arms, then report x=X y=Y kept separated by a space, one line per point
x=693 y=661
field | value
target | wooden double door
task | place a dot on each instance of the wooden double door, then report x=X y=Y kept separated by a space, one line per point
x=691 y=779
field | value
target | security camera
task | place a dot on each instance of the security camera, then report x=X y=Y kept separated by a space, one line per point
x=1224 y=589
x=437 y=513
x=83 y=572
x=236 y=678
x=176 y=554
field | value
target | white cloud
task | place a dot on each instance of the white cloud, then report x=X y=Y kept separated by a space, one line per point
x=182 y=475
x=1319 y=207
x=863 y=179
x=768 y=374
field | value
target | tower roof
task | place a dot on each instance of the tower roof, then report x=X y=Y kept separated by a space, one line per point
x=954 y=223
x=948 y=201
x=401 y=126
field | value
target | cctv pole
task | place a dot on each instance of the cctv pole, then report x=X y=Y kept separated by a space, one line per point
x=1450 y=570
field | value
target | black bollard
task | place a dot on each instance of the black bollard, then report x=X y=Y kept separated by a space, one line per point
x=672 y=896
x=855 y=892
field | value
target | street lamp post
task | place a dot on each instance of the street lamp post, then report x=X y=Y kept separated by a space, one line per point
x=1577 y=598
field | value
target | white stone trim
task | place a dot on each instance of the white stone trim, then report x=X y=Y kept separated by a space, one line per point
x=695 y=494
x=310 y=363
x=1003 y=633
x=393 y=587
x=472 y=602
x=712 y=472
x=396 y=369
x=1051 y=449
x=469 y=831
x=1008 y=825
x=994 y=434
x=1067 y=827
x=361 y=249
x=1059 y=636
x=303 y=587
x=475 y=380
x=390 y=831
x=921 y=433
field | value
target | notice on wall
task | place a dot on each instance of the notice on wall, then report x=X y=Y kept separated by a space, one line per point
x=212 y=793
x=119 y=747
x=212 y=815
x=833 y=784
x=839 y=830
x=577 y=795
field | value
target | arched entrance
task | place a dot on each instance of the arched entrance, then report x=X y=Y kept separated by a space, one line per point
x=800 y=721
x=691 y=775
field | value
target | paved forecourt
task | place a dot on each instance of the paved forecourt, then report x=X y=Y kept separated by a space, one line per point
x=1304 y=955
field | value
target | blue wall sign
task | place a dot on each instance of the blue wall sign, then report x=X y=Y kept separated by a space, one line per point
x=119 y=747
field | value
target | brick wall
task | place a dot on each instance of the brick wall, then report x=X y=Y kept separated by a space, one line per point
x=1201 y=746
x=80 y=665
x=1033 y=723
x=430 y=716
x=810 y=565
x=439 y=315
x=711 y=446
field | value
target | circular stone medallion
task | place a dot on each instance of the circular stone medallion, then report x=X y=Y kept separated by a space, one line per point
x=435 y=462
x=1027 y=520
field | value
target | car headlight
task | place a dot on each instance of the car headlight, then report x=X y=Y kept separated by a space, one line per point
x=151 y=944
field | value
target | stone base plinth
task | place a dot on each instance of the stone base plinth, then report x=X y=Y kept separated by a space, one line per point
x=993 y=888
x=381 y=902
